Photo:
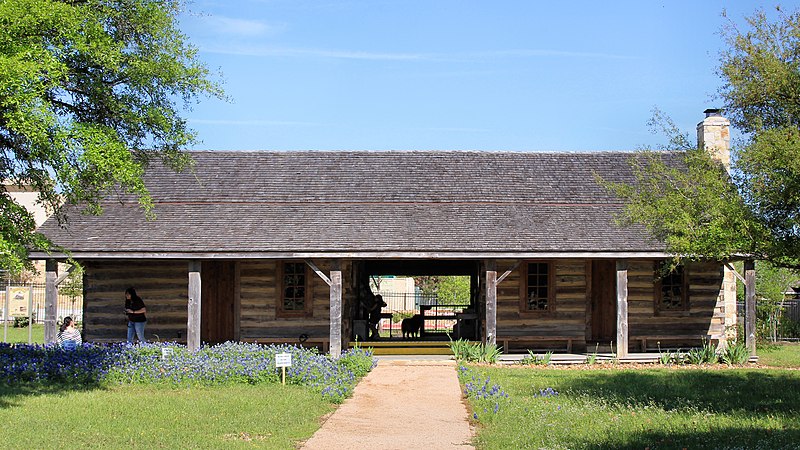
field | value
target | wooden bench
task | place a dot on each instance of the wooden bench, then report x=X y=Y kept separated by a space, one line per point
x=644 y=340
x=506 y=339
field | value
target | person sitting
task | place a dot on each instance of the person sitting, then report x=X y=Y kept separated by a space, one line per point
x=69 y=337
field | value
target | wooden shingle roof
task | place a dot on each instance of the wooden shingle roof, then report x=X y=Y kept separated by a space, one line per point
x=369 y=204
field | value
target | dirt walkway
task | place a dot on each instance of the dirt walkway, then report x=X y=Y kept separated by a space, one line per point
x=400 y=405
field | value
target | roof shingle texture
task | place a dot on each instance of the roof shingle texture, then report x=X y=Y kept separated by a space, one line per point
x=370 y=202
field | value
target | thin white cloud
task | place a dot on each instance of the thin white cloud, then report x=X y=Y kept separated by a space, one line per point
x=240 y=27
x=240 y=50
x=254 y=122
x=276 y=51
x=454 y=130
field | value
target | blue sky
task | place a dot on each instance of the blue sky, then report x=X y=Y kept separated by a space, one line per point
x=455 y=75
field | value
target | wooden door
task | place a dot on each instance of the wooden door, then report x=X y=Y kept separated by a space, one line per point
x=604 y=301
x=218 y=286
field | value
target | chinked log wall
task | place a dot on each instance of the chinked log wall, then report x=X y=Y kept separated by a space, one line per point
x=567 y=320
x=163 y=285
x=705 y=316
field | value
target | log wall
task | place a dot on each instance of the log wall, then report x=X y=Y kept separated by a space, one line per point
x=568 y=317
x=706 y=313
x=163 y=285
x=571 y=314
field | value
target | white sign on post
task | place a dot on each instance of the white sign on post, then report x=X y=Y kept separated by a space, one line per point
x=283 y=360
x=166 y=352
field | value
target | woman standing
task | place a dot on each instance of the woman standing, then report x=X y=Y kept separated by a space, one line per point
x=68 y=335
x=135 y=309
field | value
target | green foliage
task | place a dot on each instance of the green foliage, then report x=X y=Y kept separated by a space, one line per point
x=454 y=290
x=690 y=205
x=398 y=317
x=735 y=353
x=699 y=210
x=358 y=361
x=707 y=354
x=532 y=359
x=464 y=350
x=91 y=93
x=449 y=289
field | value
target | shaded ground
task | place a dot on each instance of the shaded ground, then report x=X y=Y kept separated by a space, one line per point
x=401 y=404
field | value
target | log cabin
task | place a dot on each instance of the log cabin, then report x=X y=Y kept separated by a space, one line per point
x=277 y=247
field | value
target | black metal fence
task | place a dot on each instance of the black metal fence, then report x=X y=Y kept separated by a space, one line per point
x=784 y=325
x=406 y=304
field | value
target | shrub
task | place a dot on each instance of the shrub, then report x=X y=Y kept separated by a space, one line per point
x=735 y=353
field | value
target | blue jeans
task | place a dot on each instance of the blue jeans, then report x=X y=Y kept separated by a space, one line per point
x=136 y=328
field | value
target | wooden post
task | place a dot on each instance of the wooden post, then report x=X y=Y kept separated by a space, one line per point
x=622 y=309
x=193 y=325
x=491 y=305
x=50 y=301
x=336 y=314
x=750 y=305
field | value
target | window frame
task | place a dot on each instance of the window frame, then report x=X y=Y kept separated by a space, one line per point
x=551 y=289
x=659 y=293
x=307 y=310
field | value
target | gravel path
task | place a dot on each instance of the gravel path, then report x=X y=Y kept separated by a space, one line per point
x=400 y=405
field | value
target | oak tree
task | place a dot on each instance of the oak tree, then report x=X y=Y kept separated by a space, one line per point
x=91 y=91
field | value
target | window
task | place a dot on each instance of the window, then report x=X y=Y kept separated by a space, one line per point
x=294 y=299
x=672 y=291
x=537 y=287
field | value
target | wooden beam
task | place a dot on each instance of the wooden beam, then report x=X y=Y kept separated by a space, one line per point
x=319 y=272
x=64 y=275
x=622 y=308
x=750 y=305
x=237 y=301
x=336 y=314
x=50 y=301
x=508 y=272
x=81 y=255
x=735 y=273
x=194 y=322
x=491 y=306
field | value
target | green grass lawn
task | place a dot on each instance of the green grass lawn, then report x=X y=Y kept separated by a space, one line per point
x=641 y=409
x=237 y=416
x=21 y=334
x=784 y=355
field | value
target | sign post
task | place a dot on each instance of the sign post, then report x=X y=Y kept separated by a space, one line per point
x=283 y=360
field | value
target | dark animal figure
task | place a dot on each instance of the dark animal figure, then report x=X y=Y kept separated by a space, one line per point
x=411 y=326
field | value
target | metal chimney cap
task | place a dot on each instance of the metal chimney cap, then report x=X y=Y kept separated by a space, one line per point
x=713 y=112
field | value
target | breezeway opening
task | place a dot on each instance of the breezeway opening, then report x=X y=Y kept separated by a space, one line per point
x=425 y=300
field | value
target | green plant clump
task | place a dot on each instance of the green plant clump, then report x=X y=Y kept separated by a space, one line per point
x=735 y=353
x=707 y=354
x=464 y=350
x=532 y=359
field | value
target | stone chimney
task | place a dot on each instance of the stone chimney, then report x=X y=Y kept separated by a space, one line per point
x=713 y=134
